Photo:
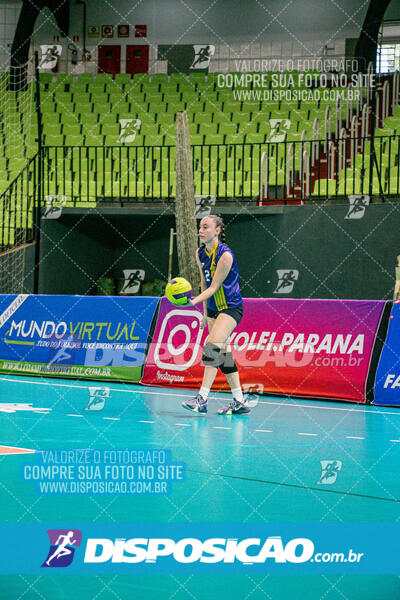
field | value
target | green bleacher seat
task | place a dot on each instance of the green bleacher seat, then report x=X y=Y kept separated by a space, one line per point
x=83 y=108
x=88 y=118
x=196 y=140
x=178 y=77
x=94 y=140
x=98 y=88
x=393 y=186
x=196 y=78
x=99 y=97
x=50 y=128
x=54 y=140
x=324 y=187
x=123 y=78
x=64 y=79
x=71 y=129
x=213 y=139
x=45 y=77
x=227 y=128
x=104 y=78
x=85 y=79
x=159 y=78
x=208 y=128
x=110 y=129
x=73 y=140
x=255 y=138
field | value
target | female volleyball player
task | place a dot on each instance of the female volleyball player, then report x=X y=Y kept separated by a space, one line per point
x=223 y=310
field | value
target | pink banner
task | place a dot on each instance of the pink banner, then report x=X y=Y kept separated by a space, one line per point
x=316 y=348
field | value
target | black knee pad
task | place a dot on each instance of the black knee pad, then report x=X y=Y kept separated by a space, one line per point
x=228 y=364
x=211 y=355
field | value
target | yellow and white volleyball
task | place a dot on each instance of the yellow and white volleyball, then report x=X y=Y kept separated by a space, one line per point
x=178 y=291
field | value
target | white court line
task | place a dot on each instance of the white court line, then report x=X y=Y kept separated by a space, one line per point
x=350 y=409
x=146 y=421
x=112 y=418
x=307 y=434
x=215 y=427
x=75 y=416
x=354 y=437
x=264 y=430
x=183 y=424
x=396 y=441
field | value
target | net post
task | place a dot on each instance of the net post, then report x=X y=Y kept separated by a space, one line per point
x=39 y=186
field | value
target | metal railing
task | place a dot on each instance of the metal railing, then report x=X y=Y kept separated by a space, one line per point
x=267 y=172
x=18 y=203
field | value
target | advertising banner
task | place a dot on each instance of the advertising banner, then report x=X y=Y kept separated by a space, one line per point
x=317 y=348
x=200 y=548
x=387 y=379
x=93 y=337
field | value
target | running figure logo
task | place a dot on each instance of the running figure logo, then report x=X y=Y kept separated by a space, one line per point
x=357 y=207
x=278 y=130
x=129 y=130
x=202 y=56
x=204 y=205
x=329 y=471
x=50 y=55
x=133 y=279
x=287 y=279
x=54 y=206
x=65 y=351
x=63 y=543
x=97 y=398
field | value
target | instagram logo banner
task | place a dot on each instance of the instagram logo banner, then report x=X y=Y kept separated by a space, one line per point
x=289 y=346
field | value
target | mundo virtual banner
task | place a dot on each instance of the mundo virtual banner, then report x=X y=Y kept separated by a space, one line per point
x=100 y=337
x=317 y=348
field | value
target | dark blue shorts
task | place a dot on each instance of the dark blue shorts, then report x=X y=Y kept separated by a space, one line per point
x=236 y=313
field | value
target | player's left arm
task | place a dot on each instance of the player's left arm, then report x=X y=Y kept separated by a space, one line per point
x=221 y=273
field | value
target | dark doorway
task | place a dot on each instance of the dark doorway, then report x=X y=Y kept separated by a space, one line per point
x=110 y=59
x=137 y=59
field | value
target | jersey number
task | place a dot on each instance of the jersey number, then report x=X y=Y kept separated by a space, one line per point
x=207 y=275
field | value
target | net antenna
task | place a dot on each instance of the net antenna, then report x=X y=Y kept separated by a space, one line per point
x=185 y=206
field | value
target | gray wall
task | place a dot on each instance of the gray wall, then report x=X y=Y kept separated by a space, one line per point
x=237 y=27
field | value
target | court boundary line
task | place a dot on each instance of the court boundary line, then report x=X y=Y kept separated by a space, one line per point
x=350 y=407
x=294 y=485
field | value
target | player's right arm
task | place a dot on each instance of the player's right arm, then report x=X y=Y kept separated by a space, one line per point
x=203 y=288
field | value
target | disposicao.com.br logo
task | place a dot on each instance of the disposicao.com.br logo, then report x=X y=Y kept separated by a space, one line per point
x=213 y=550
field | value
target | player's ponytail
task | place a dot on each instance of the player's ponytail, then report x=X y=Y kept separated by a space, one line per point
x=219 y=223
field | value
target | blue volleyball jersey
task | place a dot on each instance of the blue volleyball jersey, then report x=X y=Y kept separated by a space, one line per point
x=228 y=295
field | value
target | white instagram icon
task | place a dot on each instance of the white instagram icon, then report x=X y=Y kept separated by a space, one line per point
x=193 y=319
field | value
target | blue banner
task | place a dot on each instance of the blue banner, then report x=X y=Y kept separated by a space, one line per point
x=387 y=379
x=92 y=548
x=93 y=337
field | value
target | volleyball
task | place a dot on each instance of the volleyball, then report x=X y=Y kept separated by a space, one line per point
x=178 y=291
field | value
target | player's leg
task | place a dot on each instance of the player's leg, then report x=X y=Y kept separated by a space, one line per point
x=210 y=372
x=220 y=330
x=230 y=370
x=211 y=360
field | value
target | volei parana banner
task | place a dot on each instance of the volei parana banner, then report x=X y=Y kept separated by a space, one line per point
x=99 y=337
x=300 y=347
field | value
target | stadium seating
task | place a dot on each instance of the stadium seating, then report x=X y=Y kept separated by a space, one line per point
x=228 y=136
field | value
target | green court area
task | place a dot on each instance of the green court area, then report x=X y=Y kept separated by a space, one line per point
x=261 y=468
